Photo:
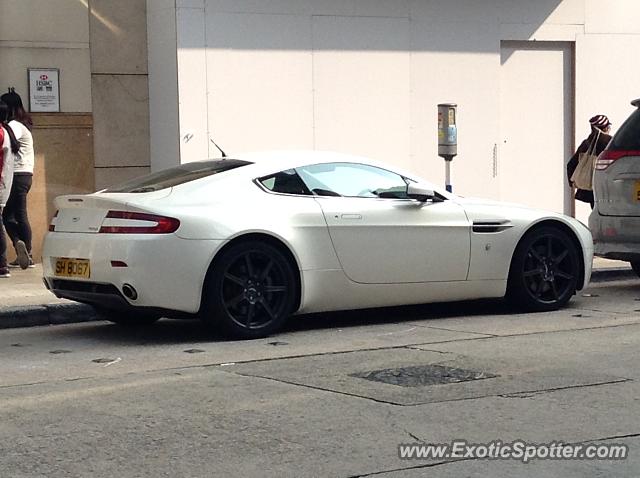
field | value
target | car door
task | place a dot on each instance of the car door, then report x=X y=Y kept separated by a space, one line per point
x=382 y=237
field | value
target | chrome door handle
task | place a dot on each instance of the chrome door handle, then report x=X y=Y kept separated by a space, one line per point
x=351 y=216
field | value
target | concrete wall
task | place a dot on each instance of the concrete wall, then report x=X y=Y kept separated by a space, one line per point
x=365 y=76
x=46 y=34
x=163 y=83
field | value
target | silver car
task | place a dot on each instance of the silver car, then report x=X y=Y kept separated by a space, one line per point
x=615 y=220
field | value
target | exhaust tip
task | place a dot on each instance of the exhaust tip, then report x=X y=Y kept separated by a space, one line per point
x=129 y=292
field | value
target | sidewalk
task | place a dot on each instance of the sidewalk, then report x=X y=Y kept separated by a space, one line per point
x=24 y=300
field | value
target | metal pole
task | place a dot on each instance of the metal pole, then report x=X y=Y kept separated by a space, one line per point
x=447 y=174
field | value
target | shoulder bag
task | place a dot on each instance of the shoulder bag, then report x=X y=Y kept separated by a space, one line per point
x=582 y=177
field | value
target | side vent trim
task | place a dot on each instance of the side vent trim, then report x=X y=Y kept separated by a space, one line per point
x=491 y=227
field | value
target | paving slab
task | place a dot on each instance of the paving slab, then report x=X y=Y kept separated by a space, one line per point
x=343 y=373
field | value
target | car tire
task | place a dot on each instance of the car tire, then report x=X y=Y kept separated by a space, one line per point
x=250 y=291
x=635 y=265
x=544 y=270
x=127 y=318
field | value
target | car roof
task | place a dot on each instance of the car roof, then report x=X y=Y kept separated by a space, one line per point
x=283 y=159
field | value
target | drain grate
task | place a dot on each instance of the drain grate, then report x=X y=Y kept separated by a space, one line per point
x=422 y=375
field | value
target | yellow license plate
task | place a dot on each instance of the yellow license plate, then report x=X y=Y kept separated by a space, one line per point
x=636 y=191
x=72 y=268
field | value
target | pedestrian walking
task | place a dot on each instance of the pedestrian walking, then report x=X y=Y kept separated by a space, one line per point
x=16 y=220
x=9 y=147
x=593 y=145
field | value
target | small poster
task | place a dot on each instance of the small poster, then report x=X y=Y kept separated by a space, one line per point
x=44 y=90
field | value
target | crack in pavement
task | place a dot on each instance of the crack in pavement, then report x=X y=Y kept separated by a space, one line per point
x=608 y=312
x=541 y=332
x=313 y=387
x=532 y=393
x=458 y=331
x=443 y=352
x=413 y=436
x=415 y=467
x=29 y=384
x=458 y=460
x=613 y=437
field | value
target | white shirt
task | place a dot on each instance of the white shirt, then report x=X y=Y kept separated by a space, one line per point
x=6 y=168
x=25 y=158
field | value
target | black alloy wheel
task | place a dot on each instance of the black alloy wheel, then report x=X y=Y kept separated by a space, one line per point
x=544 y=271
x=252 y=290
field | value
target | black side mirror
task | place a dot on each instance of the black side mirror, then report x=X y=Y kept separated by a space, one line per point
x=420 y=193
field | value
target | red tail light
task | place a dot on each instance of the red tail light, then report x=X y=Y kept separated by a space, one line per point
x=154 y=224
x=52 y=224
x=607 y=157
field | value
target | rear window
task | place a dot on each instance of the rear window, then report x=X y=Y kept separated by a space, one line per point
x=178 y=175
x=628 y=136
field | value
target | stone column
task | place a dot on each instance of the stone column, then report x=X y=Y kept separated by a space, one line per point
x=119 y=89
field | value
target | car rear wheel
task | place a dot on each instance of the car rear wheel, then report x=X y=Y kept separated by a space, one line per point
x=127 y=318
x=251 y=291
x=544 y=270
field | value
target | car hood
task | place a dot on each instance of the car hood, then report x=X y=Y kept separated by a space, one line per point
x=514 y=209
x=481 y=209
x=474 y=201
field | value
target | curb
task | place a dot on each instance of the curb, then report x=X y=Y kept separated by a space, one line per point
x=612 y=274
x=50 y=314
x=73 y=313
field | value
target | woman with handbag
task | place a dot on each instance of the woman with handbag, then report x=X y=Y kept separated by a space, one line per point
x=591 y=147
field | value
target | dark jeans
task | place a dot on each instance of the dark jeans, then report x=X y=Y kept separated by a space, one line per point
x=15 y=217
x=3 y=246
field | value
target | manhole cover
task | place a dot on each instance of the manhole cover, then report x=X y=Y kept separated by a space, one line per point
x=422 y=375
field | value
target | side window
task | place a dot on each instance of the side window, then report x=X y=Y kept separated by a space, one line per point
x=285 y=182
x=353 y=180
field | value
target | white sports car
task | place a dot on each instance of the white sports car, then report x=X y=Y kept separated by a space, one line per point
x=245 y=243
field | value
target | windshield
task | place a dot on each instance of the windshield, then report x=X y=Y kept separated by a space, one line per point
x=628 y=136
x=178 y=175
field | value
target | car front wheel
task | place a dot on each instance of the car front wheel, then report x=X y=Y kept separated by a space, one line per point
x=251 y=291
x=544 y=270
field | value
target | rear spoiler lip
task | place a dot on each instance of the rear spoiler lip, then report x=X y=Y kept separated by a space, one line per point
x=636 y=103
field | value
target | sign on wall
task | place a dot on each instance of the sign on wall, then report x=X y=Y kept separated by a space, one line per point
x=44 y=90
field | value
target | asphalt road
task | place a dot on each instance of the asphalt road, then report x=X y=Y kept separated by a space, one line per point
x=95 y=399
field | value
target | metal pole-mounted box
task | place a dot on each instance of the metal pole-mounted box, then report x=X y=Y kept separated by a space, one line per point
x=447 y=130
